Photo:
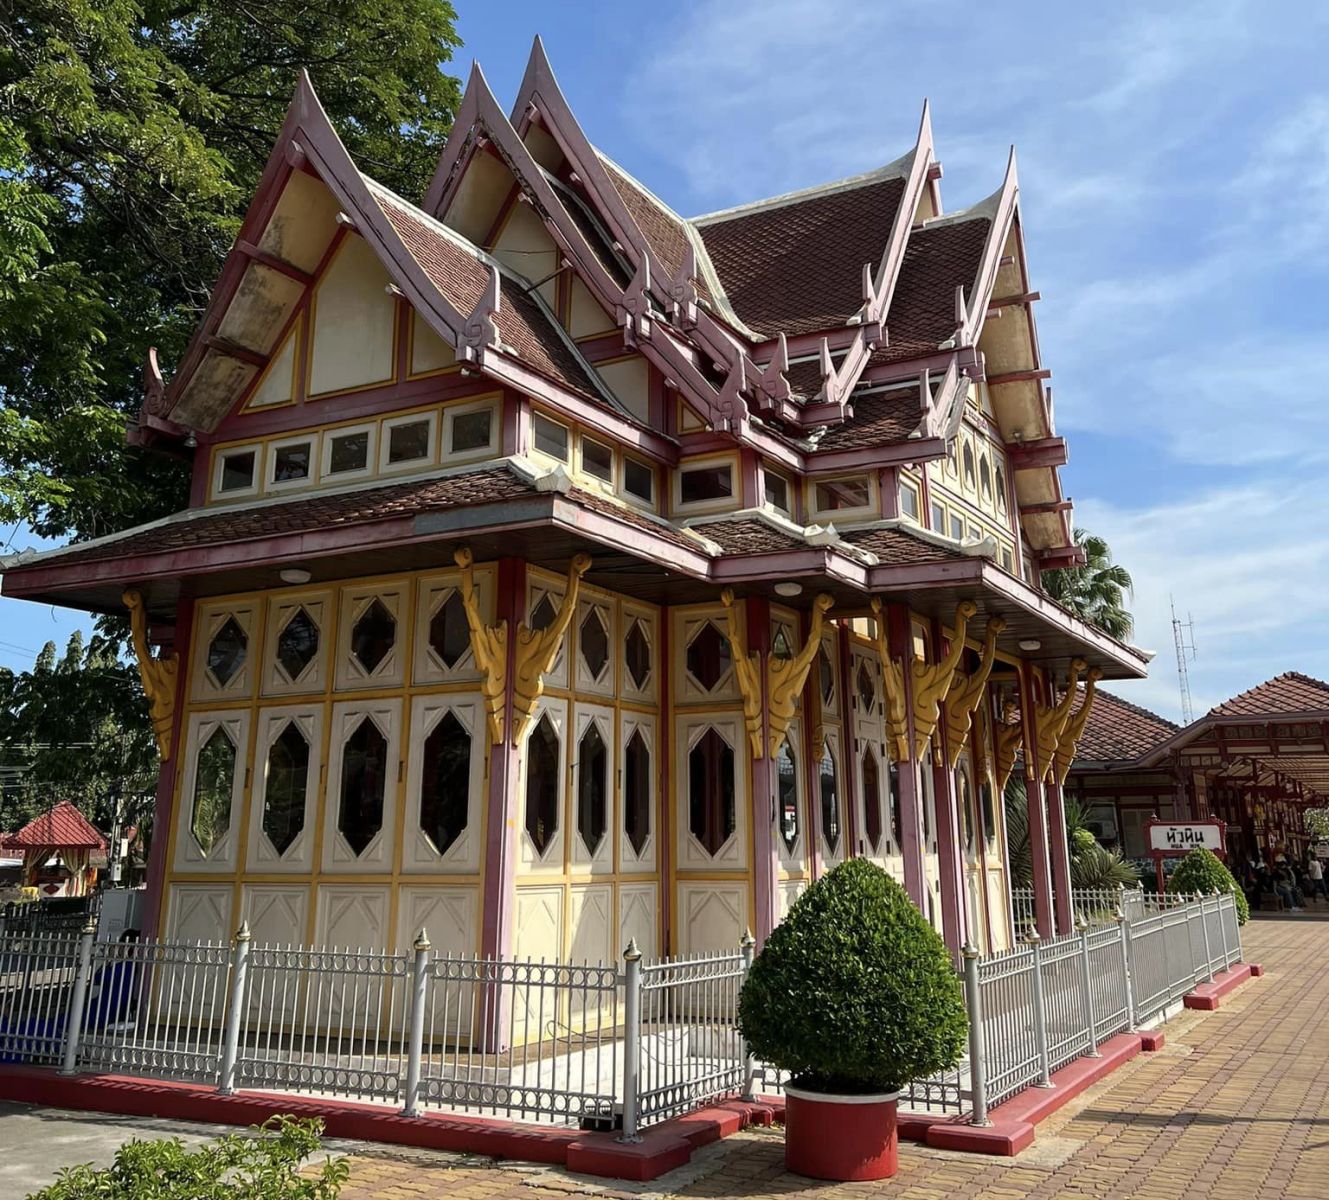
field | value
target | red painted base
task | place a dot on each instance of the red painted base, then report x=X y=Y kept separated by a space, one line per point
x=1256 y=969
x=1207 y=996
x=1152 y=1041
x=842 y=1138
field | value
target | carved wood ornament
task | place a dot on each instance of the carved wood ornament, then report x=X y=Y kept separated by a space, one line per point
x=785 y=677
x=489 y=645
x=897 y=721
x=1070 y=737
x=747 y=671
x=966 y=693
x=1050 y=721
x=932 y=681
x=159 y=675
x=1006 y=739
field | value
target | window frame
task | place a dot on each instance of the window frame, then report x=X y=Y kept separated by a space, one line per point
x=219 y=456
x=388 y=424
x=536 y=417
x=326 y=472
x=651 y=503
x=274 y=447
x=716 y=503
x=450 y=414
x=867 y=508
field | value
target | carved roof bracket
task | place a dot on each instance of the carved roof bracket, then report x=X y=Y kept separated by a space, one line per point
x=1050 y=720
x=537 y=649
x=747 y=670
x=1007 y=737
x=159 y=675
x=480 y=330
x=489 y=646
x=966 y=693
x=892 y=674
x=1070 y=736
x=932 y=681
x=785 y=677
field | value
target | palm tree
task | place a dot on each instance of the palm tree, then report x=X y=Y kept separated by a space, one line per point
x=1092 y=865
x=1095 y=592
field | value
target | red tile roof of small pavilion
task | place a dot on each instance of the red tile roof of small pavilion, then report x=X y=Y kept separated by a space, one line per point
x=1291 y=692
x=63 y=828
x=1119 y=731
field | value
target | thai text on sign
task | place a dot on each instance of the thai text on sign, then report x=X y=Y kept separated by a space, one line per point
x=1178 y=838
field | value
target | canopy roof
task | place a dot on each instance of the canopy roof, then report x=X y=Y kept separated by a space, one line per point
x=62 y=828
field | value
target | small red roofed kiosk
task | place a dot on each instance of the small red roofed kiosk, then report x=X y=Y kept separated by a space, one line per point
x=65 y=832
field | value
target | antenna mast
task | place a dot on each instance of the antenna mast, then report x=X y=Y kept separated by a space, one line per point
x=1183 y=639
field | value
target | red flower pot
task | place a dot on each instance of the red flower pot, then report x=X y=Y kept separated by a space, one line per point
x=829 y=1136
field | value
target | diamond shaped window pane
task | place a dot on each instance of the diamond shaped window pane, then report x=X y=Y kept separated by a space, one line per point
x=364 y=776
x=830 y=803
x=637 y=651
x=592 y=787
x=867 y=688
x=712 y=814
x=637 y=791
x=786 y=797
x=373 y=636
x=445 y=783
x=780 y=646
x=827 y=673
x=214 y=779
x=594 y=643
x=449 y=635
x=708 y=657
x=871 y=799
x=226 y=651
x=284 y=795
x=542 y=784
x=543 y=614
x=297 y=645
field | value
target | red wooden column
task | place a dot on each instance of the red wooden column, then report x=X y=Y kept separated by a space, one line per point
x=1059 y=850
x=950 y=856
x=1037 y=815
x=907 y=773
x=765 y=854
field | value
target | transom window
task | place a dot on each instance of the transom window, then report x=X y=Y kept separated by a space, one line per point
x=445 y=783
x=781 y=647
x=292 y=462
x=708 y=657
x=544 y=613
x=910 y=499
x=592 y=788
x=471 y=431
x=786 y=797
x=214 y=779
x=639 y=480
x=832 y=495
x=237 y=471
x=227 y=651
x=957 y=527
x=348 y=453
x=593 y=644
x=364 y=774
x=550 y=437
x=637 y=792
x=712 y=815
x=542 y=783
x=409 y=441
x=284 y=792
x=938 y=516
x=637 y=655
x=867 y=689
x=696 y=485
x=597 y=460
x=776 y=491
x=827 y=674
x=830 y=802
x=871 y=799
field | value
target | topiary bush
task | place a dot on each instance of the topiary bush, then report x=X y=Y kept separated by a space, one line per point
x=1203 y=871
x=854 y=991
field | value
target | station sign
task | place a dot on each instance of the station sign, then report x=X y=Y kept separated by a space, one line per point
x=1181 y=837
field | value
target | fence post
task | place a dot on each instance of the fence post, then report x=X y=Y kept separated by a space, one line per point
x=415 y=1048
x=1040 y=1013
x=1086 y=979
x=235 y=1011
x=1208 y=949
x=631 y=1040
x=1222 y=924
x=77 y=999
x=973 y=994
x=1124 y=928
x=748 y=946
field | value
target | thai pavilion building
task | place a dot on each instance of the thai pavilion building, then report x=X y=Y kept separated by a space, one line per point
x=559 y=570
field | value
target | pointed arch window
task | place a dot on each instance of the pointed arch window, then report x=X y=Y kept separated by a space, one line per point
x=786 y=797
x=830 y=801
x=286 y=787
x=214 y=782
x=592 y=787
x=445 y=783
x=871 y=799
x=364 y=776
x=637 y=792
x=542 y=789
x=712 y=810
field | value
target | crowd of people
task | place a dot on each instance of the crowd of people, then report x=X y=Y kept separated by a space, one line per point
x=1295 y=884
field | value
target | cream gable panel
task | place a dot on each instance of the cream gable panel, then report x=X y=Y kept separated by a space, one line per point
x=630 y=380
x=200 y=913
x=429 y=352
x=278 y=383
x=585 y=316
x=353 y=322
x=525 y=245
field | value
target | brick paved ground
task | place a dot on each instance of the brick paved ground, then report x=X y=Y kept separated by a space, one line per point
x=1236 y=1106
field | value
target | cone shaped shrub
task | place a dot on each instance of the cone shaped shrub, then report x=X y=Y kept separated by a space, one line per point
x=1203 y=871
x=854 y=991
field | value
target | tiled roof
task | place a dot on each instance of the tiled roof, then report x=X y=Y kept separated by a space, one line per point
x=1286 y=693
x=797 y=267
x=664 y=231
x=749 y=535
x=633 y=516
x=937 y=260
x=898 y=547
x=64 y=827
x=879 y=419
x=1119 y=731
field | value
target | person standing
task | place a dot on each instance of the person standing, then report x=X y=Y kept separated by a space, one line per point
x=1315 y=872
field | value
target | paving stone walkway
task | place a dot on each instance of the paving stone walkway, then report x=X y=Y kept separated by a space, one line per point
x=1235 y=1107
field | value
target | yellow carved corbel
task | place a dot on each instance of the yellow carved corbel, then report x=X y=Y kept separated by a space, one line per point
x=966 y=692
x=159 y=675
x=897 y=722
x=1050 y=721
x=537 y=649
x=1070 y=736
x=932 y=681
x=785 y=677
x=747 y=670
x=1006 y=739
x=489 y=645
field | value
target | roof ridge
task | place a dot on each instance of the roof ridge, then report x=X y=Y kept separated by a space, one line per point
x=1138 y=709
x=1300 y=676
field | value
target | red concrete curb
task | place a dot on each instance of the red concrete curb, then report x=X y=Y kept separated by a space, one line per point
x=1207 y=996
x=1256 y=969
x=1152 y=1041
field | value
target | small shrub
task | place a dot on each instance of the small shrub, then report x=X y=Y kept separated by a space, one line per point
x=854 y=991
x=261 y=1165
x=1202 y=871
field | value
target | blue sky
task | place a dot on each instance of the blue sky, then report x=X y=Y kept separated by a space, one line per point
x=1174 y=168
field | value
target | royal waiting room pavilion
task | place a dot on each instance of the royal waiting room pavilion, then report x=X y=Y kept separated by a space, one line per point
x=560 y=571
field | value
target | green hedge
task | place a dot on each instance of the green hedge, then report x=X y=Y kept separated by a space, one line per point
x=1202 y=871
x=854 y=991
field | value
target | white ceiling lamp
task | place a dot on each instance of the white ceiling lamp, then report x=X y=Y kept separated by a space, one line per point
x=295 y=575
x=1030 y=644
x=788 y=587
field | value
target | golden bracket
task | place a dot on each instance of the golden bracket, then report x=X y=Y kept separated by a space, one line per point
x=159 y=675
x=967 y=691
x=1070 y=737
x=536 y=651
x=747 y=670
x=932 y=681
x=785 y=677
x=1050 y=721
x=897 y=721
x=1006 y=739
x=489 y=645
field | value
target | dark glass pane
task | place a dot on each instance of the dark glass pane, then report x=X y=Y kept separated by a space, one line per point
x=226 y=651
x=297 y=644
x=786 y=796
x=373 y=636
x=350 y=452
x=364 y=774
x=449 y=634
x=237 y=471
x=830 y=803
x=637 y=651
x=408 y=442
x=638 y=480
x=897 y=826
x=871 y=799
x=867 y=688
x=542 y=784
x=543 y=614
x=284 y=794
x=706 y=483
x=964 y=798
x=213 y=781
x=637 y=791
x=989 y=813
x=445 y=782
x=592 y=787
x=777 y=491
x=470 y=431
x=594 y=644
x=843 y=493
x=780 y=646
x=597 y=460
x=708 y=656
x=925 y=797
x=827 y=672
x=291 y=462
x=550 y=438
x=711 y=810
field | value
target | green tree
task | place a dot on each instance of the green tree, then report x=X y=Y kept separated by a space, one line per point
x=1317 y=824
x=1097 y=591
x=1092 y=865
x=132 y=136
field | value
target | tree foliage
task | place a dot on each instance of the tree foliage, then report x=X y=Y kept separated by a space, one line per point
x=132 y=136
x=1202 y=872
x=1097 y=591
x=854 y=991
x=1092 y=865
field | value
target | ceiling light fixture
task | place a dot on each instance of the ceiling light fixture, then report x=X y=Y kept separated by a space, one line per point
x=788 y=588
x=1030 y=644
x=295 y=575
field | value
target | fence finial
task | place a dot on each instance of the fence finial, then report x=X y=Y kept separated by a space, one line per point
x=747 y=939
x=422 y=939
x=969 y=950
x=632 y=954
x=1081 y=925
x=242 y=934
x=1032 y=937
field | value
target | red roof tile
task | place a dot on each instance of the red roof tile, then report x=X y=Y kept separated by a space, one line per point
x=749 y=535
x=899 y=547
x=797 y=266
x=664 y=231
x=64 y=828
x=1119 y=731
x=879 y=419
x=625 y=512
x=1287 y=693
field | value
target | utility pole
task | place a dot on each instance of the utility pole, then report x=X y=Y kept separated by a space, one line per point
x=1183 y=640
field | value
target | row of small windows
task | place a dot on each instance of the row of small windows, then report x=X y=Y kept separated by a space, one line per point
x=948 y=520
x=629 y=476
x=353 y=452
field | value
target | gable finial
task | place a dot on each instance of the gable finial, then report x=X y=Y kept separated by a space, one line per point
x=681 y=291
x=480 y=330
x=635 y=307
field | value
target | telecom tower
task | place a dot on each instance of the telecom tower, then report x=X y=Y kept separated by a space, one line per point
x=1183 y=639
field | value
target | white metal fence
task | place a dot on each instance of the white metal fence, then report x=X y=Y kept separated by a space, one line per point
x=1095 y=906
x=599 y=1045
